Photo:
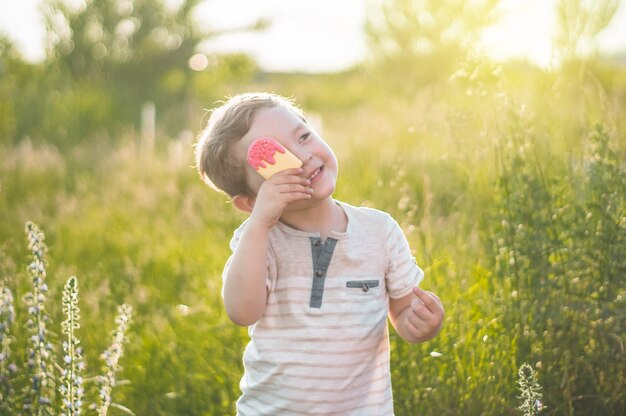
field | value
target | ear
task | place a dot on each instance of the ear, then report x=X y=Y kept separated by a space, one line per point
x=244 y=203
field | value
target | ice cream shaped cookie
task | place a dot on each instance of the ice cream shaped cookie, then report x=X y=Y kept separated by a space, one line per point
x=268 y=157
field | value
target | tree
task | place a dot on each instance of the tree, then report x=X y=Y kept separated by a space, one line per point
x=579 y=23
x=127 y=47
x=21 y=86
x=426 y=37
x=113 y=56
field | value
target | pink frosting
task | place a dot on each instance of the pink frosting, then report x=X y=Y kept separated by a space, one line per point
x=263 y=150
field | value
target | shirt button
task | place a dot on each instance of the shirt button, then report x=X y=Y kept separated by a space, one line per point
x=319 y=273
x=316 y=243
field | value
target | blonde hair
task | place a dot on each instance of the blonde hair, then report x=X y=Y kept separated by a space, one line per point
x=228 y=123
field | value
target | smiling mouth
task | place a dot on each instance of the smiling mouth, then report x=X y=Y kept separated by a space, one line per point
x=315 y=173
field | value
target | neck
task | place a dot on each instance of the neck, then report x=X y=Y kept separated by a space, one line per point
x=323 y=217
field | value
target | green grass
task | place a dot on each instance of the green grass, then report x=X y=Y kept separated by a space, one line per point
x=511 y=197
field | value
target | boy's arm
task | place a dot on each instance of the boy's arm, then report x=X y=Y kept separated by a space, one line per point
x=418 y=316
x=245 y=292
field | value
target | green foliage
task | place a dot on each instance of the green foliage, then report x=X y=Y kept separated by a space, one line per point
x=7 y=366
x=21 y=86
x=116 y=55
x=424 y=40
x=43 y=386
x=512 y=202
x=580 y=22
x=134 y=42
x=508 y=181
x=561 y=251
x=106 y=59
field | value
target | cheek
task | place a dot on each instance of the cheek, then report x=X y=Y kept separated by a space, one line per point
x=254 y=180
x=332 y=159
x=325 y=149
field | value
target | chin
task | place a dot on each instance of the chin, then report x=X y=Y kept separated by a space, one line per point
x=323 y=191
x=317 y=197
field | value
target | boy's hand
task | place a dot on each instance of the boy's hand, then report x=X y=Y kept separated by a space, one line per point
x=276 y=193
x=424 y=316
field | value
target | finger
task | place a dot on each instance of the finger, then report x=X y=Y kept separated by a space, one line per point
x=415 y=320
x=420 y=330
x=423 y=320
x=427 y=299
x=439 y=308
x=291 y=179
x=289 y=172
x=296 y=196
x=415 y=327
x=292 y=187
x=288 y=189
x=434 y=295
x=421 y=311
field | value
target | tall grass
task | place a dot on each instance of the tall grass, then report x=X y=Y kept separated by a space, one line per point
x=508 y=184
x=561 y=246
x=31 y=380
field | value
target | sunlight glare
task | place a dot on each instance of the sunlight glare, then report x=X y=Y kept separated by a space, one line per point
x=199 y=62
x=525 y=30
x=314 y=35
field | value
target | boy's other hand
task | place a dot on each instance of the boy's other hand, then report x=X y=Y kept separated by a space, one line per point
x=425 y=317
x=276 y=193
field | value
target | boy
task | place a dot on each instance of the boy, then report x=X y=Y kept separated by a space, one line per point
x=314 y=279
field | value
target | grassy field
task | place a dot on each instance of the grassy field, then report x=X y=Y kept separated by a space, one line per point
x=509 y=183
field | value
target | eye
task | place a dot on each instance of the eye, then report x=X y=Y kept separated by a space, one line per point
x=304 y=137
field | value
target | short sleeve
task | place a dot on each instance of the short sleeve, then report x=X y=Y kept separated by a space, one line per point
x=403 y=273
x=271 y=263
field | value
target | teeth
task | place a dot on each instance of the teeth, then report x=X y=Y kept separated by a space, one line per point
x=314 y=174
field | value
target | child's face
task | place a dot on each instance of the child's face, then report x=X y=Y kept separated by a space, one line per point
x=319 y=161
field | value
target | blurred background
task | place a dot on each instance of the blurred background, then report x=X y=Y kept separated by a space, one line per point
x=492 y=130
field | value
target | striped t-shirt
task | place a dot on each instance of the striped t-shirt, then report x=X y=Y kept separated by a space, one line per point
x=322 y=345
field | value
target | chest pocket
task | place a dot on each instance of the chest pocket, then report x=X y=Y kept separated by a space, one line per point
x=364 y=285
